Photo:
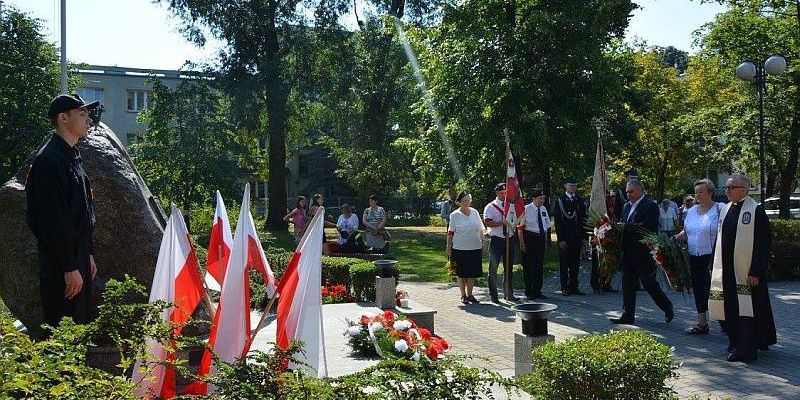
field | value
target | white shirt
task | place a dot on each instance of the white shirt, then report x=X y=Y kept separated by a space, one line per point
x=532 y=215
x=701 y=230
x=495 y=214
x=666 y=219
x=348 y=225
x=467 y=230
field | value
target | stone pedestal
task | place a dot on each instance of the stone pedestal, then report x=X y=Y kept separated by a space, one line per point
x=523 y=346
x=423 y=316
x=384 y=292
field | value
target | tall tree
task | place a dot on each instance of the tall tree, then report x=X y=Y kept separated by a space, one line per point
x=754 y=30
x=261 y=38
x=536 y=68
x=29 y=72
x=188 y=150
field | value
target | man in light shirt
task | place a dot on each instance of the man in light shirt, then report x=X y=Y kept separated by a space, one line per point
x=532 y=239
x=494 y=219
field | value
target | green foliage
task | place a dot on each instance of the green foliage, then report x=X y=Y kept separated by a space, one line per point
x=786 y=230
x=187 y=152
x=29 y=68
x=57 y=366
x=336 y=270
x=447 y=379
x=362 y=277
x=617 y=365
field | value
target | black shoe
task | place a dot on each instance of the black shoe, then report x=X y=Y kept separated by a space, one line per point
x=622 y=320
x=731 y=348
x=736 y=357
x=511 y=298
x=669 y=315
x=565 y=293
x=495 y=300
x=472 y=299
x=464 y=300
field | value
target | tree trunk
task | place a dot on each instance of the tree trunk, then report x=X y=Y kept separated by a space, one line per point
x=277 y=96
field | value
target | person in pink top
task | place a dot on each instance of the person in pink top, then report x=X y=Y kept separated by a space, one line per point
x=298 y=218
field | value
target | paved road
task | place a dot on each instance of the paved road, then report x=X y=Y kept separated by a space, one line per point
x=487 y=330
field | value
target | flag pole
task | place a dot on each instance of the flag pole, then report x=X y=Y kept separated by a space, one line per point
x=507 y=275
x=319 y=214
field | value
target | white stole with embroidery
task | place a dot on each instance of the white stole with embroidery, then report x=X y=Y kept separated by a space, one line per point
x=742 y=258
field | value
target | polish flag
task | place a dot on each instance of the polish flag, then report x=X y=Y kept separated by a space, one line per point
x=219 y=247
x=230 y=330
x=177 y=280
x=300 y=306
x=513 y=194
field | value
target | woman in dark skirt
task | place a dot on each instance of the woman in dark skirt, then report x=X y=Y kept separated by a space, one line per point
x=465 y=245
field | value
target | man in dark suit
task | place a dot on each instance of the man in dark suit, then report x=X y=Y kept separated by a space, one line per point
x=569 y=215
x=640 y=214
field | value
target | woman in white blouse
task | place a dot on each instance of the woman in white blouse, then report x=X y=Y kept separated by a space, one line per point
x=700 y=233
x=465 y=245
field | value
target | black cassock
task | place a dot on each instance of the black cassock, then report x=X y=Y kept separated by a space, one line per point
x=746 y=334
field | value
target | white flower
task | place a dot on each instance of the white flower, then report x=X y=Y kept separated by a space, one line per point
x=354 y=330
x=401 y=325
x=401 y=346
x=415 y=356
x=376 y=326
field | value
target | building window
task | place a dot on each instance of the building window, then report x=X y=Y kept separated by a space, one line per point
x=138 y=100
x=91 y=94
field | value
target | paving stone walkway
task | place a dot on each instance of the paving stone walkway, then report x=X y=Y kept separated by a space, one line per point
x=487 y=330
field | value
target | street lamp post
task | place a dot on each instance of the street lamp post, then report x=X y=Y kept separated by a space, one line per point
x=750 y=71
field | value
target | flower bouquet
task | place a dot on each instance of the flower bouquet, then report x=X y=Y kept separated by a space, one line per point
x=671 y=259
x=607 y=236
x=334 y=294
x=394 y=336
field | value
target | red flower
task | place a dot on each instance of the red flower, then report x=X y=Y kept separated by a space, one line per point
x=426 y=334
x=434 y=350
x=364 y=320
x=388 y=318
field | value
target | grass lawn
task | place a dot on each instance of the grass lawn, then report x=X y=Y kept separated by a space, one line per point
x=420 y=251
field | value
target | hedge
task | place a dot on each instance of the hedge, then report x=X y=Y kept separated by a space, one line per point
x=785 y=257
x=617 y=365
x=336 y=270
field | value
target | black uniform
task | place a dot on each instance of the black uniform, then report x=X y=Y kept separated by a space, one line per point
x=61 y=216
x=570 y=219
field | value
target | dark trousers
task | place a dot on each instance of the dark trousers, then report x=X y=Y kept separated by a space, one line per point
x=741 y=332
x=55 y=306
x=635 y=269
x=701 y=281
x=533 y=263
x=569 y=261
x=497 y=255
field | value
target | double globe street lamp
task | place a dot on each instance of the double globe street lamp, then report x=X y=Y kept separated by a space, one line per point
x=750 y=71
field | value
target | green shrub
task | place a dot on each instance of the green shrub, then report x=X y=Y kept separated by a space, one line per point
x=618 y=365
x=336 y=270
x=362 y=277
x=785 y=261
x=785 y=230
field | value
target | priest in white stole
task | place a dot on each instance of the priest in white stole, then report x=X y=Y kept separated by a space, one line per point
x=739 y=297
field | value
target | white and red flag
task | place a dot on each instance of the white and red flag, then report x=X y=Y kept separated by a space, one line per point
x=600 y=198
x=177 y=280
x=300 y=306
x=513 y=193
x=230 y=330
x=219 y=247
